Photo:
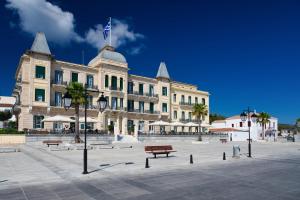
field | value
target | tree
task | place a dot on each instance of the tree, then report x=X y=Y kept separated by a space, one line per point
x=5 y=115
x=76 y=90
x=263 y=119
x=200 y=111
x=214 y=117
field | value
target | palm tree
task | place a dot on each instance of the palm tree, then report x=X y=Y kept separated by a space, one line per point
x=200 y=111
x=263 y=119
x=76 y=90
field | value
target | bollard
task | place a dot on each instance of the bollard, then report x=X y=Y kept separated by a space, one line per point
x=191 y=159
x=224 y=156
x=147 y=163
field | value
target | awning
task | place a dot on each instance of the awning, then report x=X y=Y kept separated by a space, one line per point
x=160 y=123
x=58 y=118
x=192 y=124
x=88 y=119
x=177 y=124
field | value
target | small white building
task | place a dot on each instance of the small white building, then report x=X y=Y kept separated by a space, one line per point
x=6 y=103
x=237 y=130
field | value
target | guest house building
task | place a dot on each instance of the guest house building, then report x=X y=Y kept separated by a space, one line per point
x=133 y=101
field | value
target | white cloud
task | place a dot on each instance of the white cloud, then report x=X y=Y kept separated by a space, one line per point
x=40 y=15
x=59 y=25
x=121 y=35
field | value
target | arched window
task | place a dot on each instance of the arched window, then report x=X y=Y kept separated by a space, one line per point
x=203 y=101
x=106 y=81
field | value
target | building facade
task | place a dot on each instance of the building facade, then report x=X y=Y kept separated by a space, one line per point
x=237 y=130
x=133 y=101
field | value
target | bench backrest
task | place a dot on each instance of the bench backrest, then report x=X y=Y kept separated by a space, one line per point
x=52 y=141
x=158 y=148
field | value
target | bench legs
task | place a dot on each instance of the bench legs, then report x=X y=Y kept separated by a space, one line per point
x=167 y=154
x=155 y=155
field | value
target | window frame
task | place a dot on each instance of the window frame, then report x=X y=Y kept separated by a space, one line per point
x=38 y=73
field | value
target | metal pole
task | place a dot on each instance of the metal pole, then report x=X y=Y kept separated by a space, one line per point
x=249 y=125
x=110 y=32
x=85 y=150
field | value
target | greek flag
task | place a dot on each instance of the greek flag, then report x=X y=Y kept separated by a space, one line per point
x=106 y=30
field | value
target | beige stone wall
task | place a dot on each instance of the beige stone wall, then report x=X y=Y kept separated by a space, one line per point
x=12 y=139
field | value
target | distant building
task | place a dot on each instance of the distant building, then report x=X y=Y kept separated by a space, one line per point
x=134 y=101
x=6 y=103
x=237 y=130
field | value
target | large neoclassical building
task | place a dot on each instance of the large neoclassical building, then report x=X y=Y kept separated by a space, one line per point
x=134 y=101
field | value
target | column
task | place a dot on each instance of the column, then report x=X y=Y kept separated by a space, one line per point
x=124 y=126
x=136 y=128
x=117 y=126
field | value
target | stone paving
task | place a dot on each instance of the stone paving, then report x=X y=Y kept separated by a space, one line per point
x=119 y=173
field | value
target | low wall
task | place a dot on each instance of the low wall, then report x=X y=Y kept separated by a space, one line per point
x=110 y=138
x=12 y=139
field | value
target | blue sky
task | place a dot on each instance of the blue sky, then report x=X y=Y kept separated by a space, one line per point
x=245 y=53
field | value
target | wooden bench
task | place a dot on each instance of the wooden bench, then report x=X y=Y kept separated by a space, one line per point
x=52 y=142
x=162 y=149
x=223 y=140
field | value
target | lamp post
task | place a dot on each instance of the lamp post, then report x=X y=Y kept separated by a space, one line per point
x=102 y=103
x=246 y=114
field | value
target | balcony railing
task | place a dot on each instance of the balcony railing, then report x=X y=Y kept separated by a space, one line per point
x=186 y=103
x=188 y=120
x=115 y=88
x=63 y=83
x=117 y=108
x=142 y=94
x=144 y=111
x=92 y=87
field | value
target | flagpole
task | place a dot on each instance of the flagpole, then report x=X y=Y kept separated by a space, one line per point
x=110 y=31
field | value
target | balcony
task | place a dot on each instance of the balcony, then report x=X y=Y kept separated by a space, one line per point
x=91 y=87
x=60 y=83
x=115 y=88
x=144 y=96
x=116 y=108
x=151 y=112
x=183 y=120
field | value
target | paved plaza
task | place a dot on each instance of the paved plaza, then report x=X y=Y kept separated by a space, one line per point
x=36 y=172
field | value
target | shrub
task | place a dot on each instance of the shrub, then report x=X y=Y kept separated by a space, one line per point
x=10 y=131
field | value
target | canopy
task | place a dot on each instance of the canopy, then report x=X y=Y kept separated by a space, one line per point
x=192 y=124
x=159 y=123
x=88 y=119
x=177 y=124
x=58 y=118
x=205 y=125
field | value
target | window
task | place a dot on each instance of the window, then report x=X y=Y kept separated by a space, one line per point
x=151 y=107
x=190 y=116
x=90 y=81
x=114 y=103
x=40 y=72
x=151 y=90
x=141 y=106
x=130 y=126
x=175 y=114
x=130 y=105
x=121 y=102
x=164 y=91
x=39 y=95
x=107 y=99
x=114 y=83
x=196 y=100
x=165 y=107
x=58 y=77
x=141 y=126
x=241 y=124
x=74 y=77
x=190 y=100
x=121 y=84
x=182 y=98
x=106 y=81
x=174 y=98
x=203 y=101
x=130 y=87
x=141 y=89
x=182 y=115
x=37 y=121
x=58 y=99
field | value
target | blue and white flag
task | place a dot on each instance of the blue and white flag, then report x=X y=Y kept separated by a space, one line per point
x=106 y=30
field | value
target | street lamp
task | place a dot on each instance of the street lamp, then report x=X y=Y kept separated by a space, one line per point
x=246 y=114
x=102 y=102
